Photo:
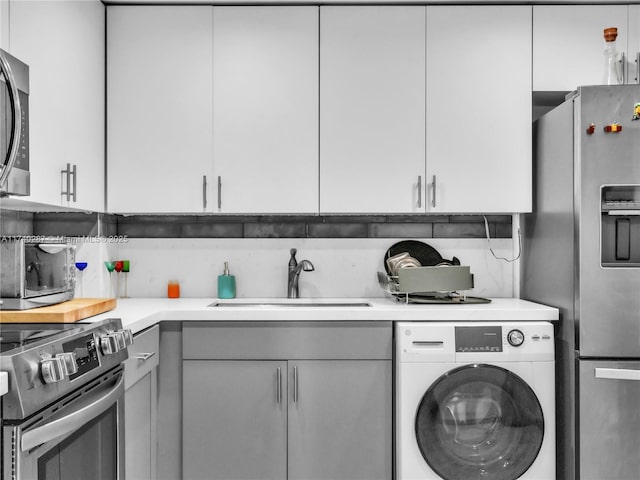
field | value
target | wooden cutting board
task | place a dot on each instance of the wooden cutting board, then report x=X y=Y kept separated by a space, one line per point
x=65 y=312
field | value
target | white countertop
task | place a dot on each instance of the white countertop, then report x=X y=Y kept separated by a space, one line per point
x=141 y=313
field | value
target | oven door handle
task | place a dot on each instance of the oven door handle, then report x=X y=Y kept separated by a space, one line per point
x=90 y=408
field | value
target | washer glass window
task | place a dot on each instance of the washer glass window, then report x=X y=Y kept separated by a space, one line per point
x=479 y=422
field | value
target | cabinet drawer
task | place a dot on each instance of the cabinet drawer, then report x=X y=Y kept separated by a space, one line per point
x=143 y=356
x=287 y=340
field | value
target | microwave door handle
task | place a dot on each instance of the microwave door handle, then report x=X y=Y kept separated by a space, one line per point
x=71 y=422
x=14 y=140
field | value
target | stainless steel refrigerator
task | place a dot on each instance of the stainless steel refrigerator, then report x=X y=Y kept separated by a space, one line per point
x=581 y=253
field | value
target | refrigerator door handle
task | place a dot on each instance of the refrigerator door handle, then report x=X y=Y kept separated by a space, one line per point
x=618 y=374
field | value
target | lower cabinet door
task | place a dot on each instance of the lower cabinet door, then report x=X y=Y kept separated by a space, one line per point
x=140 y=420
x=234 y=420
x=340 y=420
x=609 y=419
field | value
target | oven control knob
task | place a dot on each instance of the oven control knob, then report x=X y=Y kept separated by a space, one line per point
x=109 y=344
x=515 y=338
x=69 y=362
x=52 y=370
x=127 y=335
x=124 y=338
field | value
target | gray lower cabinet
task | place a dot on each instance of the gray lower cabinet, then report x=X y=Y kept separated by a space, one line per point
x=265 y=409
x=340 y=420
x=233 y=425
x=140 y=406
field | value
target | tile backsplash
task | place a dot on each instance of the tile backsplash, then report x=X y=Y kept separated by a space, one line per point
x=346 y=251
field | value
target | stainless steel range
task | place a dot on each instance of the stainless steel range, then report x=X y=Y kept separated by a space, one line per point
x=63 y=415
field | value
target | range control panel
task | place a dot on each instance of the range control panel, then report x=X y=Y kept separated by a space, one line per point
x=86 y=354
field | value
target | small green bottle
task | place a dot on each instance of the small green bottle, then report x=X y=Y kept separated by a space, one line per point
x=226 y=283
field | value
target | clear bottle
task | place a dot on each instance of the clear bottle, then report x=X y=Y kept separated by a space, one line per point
x=613 y=66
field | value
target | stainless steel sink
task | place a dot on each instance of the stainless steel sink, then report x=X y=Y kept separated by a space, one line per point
x=290 y=304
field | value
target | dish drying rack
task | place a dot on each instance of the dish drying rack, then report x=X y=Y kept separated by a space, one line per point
x=439 y=284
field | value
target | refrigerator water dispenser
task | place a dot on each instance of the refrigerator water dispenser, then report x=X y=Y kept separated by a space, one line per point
x=620 y=225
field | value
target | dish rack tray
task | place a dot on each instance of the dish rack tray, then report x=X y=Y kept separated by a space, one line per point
x=440 y=284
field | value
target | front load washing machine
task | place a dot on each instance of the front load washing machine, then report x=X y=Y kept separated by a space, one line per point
x=475 y=400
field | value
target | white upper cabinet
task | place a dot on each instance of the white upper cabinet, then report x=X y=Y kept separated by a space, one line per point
x=568 y=44
x=159 y=104
x=479 y=108
x=63 y=44
x=372 y=109
x=265 y=109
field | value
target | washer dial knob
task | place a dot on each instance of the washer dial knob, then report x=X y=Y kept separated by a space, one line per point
x=515 y=338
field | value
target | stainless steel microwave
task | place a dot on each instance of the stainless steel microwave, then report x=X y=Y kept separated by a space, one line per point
x=14 y=126
x=35 y=271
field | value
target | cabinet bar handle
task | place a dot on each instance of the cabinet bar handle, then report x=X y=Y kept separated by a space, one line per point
x=618 y=374
x=295 y=384
x=62 y=192
x=622 y=71
x=637 y=79
x=278 y=385
x=433 y=191
x=74 y=172
x=219 y=192
x=204 y=192
x=419 y=191
x=66 y=172
x=143 y=357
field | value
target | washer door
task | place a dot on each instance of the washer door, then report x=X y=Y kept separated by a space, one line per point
x=479 y=422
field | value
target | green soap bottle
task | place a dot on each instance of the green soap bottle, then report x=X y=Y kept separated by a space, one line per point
x=226 y=283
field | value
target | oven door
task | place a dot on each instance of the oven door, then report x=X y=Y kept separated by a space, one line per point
x=81 y=436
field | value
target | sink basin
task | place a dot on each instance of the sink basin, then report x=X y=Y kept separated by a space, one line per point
x=284 y=303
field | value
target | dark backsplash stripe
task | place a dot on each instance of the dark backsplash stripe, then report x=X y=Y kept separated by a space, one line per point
x=252 y=226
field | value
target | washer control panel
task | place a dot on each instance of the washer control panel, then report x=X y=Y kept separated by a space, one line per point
x=474 y=341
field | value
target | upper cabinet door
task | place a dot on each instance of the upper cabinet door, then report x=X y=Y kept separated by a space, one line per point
x=568 y=44
x=479 y=108
x=159 y=108
x=63 y=44
x=265 y=109
x=372 y=109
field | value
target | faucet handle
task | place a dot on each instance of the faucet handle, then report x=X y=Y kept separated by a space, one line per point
x=293 y=263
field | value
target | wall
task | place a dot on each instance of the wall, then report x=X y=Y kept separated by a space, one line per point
x=343 y=267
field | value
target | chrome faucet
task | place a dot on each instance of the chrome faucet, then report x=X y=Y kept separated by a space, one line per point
x=294 y=273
